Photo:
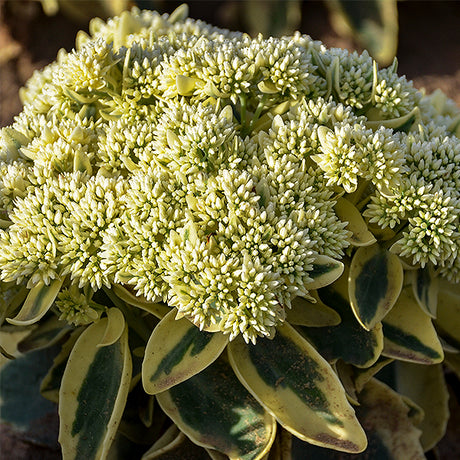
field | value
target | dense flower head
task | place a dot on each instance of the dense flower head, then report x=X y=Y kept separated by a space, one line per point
x=201 y=168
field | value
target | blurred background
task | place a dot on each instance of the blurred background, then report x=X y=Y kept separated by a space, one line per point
x=424 y=35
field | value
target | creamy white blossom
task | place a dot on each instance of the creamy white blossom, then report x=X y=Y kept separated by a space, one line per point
x=201 y=168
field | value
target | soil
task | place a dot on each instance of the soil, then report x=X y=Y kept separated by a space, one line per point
x=428 y=53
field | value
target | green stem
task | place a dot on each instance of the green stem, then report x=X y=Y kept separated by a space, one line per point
x=243 y=111
x=260 y=107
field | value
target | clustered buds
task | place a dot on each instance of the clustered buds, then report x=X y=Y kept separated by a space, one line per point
x=201 y=167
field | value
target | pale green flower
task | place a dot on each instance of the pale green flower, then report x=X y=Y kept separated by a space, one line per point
x=201 y=168
x=76 y=308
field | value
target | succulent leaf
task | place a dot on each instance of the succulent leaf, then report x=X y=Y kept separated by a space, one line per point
x=38 y=301
x=115 y=327
x=364 y=347
x=409 y=333
x=306 y=398
x=46 y=334
x=157 y=309
x=425 y=385
x=176 y=351
x=306 y=313
x=360 y=235
x=180 y=447
x=425 y=287
x=448 y=317
x=93 y=394
x=235 y=423
x=374 y=282
x=49 y=387
x=381 y=410
x=325 y=270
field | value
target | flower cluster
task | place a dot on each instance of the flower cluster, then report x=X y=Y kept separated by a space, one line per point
x=201 y=168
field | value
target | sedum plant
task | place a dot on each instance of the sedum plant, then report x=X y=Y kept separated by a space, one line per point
x=244 y=248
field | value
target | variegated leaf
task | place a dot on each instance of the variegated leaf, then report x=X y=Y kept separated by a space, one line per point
x=12 y=296
x=448 y=317
x=157 y=309
x=294 y=383
x=143 y=421
x=374 y=283
x=373 y=24
x=306 y=313
x=46 y=334
x=215 y=411
x=362 y=376
x=384 y=413
x=362 y=347
x=179 y=448
x=115 y=327
x=37 y=303
x=425 y=287
x=51 y=383
x=176 y=351
x=402 y=123
x=409 y=333
x=346 y=373
x=93 y=394
x=425 y=385
x=453 y=288
x=453 y=362
x=384 y=416
x=21 y=405
x=325 y=270
x=347 y=212
x=169 y=435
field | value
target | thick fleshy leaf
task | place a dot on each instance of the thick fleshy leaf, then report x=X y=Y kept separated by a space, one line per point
x=402 y=124
x=306 y=313
x=348 y=212
x=374 y=283
x=281 y=447
x=37 y=303
x=453 y=362
x=425 y=287
x=384 y=416
x=166 y=438
x=362 y=347
x=176 y=351
x=362 y=376
x=215 y=411
x=291 y=379
x=51 y=383
x=180 y=448
x=46 y=334
x=157 y=309
x=21 y=405
x=409 y=333
x=425 y=385
x=373 y=24
x=325 y=270
x=93 y=394
x=115 y=327
x=448 y=317
x=346 y=372
x=143 y=421
x=453 y=288
x=12 y=296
